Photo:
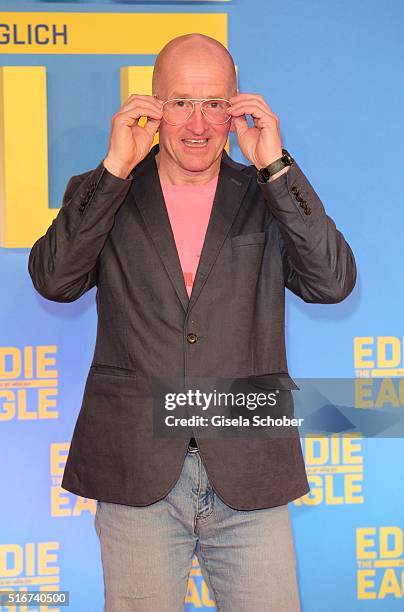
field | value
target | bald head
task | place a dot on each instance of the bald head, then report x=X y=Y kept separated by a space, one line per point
x=194 y=51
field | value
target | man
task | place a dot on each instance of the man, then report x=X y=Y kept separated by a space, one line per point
x=190 y=252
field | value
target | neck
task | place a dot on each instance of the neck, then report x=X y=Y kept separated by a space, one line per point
x=171 y=173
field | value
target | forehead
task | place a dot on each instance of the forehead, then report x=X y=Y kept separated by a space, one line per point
x=196 y=76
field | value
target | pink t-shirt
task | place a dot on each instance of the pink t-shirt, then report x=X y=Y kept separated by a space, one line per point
x=189 y=208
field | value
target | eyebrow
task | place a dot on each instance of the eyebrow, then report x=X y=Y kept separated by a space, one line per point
x=176 y=94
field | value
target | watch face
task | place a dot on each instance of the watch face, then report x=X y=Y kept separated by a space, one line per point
x=287 y=158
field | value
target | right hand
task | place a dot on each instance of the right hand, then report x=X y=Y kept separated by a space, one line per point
x=129 y=143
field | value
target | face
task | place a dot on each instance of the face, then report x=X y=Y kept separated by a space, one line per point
x=193 y=76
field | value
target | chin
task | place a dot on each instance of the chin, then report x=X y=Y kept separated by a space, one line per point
x=196 y=165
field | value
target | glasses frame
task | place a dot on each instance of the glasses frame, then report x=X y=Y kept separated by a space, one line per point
x=196 y=101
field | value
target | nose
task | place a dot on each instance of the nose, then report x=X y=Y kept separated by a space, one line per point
x=197 y=122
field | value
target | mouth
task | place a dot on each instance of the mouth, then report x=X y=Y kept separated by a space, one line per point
x=195 y=143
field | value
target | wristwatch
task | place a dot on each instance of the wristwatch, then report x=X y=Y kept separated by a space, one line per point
x=264 y=174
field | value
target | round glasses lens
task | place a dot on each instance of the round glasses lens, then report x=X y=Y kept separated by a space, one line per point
x=177 y=111
x=216 y=110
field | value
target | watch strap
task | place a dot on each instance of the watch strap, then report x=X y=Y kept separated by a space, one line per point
x=264 y=174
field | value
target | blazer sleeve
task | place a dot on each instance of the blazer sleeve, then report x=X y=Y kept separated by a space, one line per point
x=63 y=263
x=318 y=263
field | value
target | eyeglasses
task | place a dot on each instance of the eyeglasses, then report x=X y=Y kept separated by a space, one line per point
x=179 y=110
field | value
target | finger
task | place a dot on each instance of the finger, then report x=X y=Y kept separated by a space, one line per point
x=151 y=126
x=250 y=97
x=253 y=103
x=241 y=125
x=257 y=112
x=133 y=115
x=159 y=100
x=141 y=97
x=140 y=104
x=247 y=96
x=263 y=123
x=144 y=100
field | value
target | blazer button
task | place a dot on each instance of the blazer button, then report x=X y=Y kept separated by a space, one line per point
x=192 y=338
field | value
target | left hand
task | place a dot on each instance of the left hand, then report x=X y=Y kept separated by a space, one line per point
x=261 y=143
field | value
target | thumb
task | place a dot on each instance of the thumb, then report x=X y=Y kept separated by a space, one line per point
x=241 y=124
x=151 y=126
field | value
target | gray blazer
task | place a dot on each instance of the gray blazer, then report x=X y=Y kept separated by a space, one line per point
x=115 y=234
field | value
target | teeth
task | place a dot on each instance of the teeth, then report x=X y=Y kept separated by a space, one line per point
x=196 y=144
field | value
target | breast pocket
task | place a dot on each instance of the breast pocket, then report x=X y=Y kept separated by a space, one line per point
x=244 y=240
x=111 y=370
x=247 y=253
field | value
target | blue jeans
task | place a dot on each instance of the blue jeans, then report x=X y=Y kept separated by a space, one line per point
x=246 y=557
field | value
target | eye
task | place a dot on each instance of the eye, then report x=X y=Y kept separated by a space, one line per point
x=180 y=103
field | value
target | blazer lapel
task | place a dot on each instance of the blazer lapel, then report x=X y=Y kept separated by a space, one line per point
x=231 y=188
x=150 y=202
